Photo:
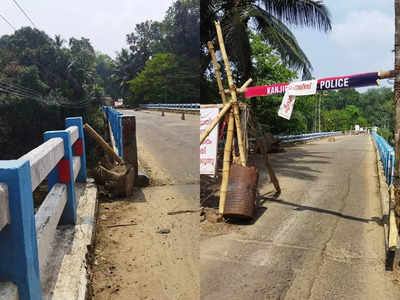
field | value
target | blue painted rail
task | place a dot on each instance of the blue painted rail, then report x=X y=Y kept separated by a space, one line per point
x=306 y=136
x=180 y=106
x=115 y=118
x=26 y=237
x=386 y=153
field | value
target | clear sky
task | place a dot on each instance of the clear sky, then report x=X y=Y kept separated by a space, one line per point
x=104 y=22
x=361 y=40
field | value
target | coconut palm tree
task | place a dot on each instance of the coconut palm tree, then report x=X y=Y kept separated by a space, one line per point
x=268 y=17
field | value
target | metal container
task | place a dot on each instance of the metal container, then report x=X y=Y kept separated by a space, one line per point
x=241 y=194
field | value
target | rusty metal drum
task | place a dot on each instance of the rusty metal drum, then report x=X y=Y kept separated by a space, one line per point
x=241 y=194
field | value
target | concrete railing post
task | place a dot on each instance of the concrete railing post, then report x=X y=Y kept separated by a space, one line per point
x=64 y=173
x=129 y=141
x=18 y=242
x=79 y=148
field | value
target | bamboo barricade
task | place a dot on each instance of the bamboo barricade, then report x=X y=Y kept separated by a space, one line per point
x=232 y=89
x=233 y=118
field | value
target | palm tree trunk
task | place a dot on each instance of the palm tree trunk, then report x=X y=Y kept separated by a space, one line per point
x=396 y=103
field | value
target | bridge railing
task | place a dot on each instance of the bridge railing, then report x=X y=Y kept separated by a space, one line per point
x=26 y=237
x=115 y=119
x=306 y=136
x=386 y=153
x=180 y=106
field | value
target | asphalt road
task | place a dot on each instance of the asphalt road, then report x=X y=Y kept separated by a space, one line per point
x=172 y=142
x=321 y=239
x=158 y=256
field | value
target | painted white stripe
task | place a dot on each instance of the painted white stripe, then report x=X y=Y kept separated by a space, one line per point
x=43 y=159
x=4 y=208
x=76 y=163
x=74 y=133
x=47 y=218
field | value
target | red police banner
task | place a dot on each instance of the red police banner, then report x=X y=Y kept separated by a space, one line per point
x=330 y=83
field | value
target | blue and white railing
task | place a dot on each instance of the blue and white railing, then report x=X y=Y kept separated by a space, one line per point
x=386 y=153
x=306 y=136
x=26 y=237
x=115 y=119
x=180 y=106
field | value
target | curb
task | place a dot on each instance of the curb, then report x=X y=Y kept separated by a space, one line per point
x=384 y=195
x=72 y=281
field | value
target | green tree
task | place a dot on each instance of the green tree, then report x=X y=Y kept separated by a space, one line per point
x=163 y=80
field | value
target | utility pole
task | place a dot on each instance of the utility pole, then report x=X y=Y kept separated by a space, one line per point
x=315 y=115
x=396 y=103
x=319 y=113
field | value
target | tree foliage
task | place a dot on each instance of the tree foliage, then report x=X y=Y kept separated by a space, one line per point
x=178 y=37
x=269 y=18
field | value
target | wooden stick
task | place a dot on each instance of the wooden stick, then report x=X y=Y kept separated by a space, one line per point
x=171 y=213
x=114 y=146
x=103 y=143
x=217 y=72
x=272 y=174
x=121 y=225
x=215 y=122
x=226 y=163
x=393 y=230
x=242 y=89
x=386 y=74
x=239 y=133
x=232 y=89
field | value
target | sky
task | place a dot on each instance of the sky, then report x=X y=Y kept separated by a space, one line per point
x=106 y=23
x=361 y=40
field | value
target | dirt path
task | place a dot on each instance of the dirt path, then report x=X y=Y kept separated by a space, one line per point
x=321 y=239
x=141 y=251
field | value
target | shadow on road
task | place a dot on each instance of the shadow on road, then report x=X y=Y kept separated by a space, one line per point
x=296 y=163
x=299 y=207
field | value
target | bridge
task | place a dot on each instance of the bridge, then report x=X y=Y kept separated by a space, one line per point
x=323 y=237
x=45 y=253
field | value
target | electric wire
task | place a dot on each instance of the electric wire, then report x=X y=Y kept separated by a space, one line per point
x=5 y=20
x=20 y=90
x=23 y=11
x=19 y=86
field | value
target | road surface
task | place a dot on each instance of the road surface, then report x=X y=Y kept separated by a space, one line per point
x=321 y=239
x=136 y=261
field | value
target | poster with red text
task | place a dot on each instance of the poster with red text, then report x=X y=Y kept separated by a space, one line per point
x=208 y=149
x=294 y=89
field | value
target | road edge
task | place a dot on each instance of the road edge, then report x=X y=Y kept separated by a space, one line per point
x=384 y=195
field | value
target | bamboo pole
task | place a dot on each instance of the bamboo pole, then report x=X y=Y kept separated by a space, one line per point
x=226 y=163
x=232 y=89
x=103 y=143
x=215 y=122
x=386 y=74
x=217 y=72
x=239 y=133
x=242 y=89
